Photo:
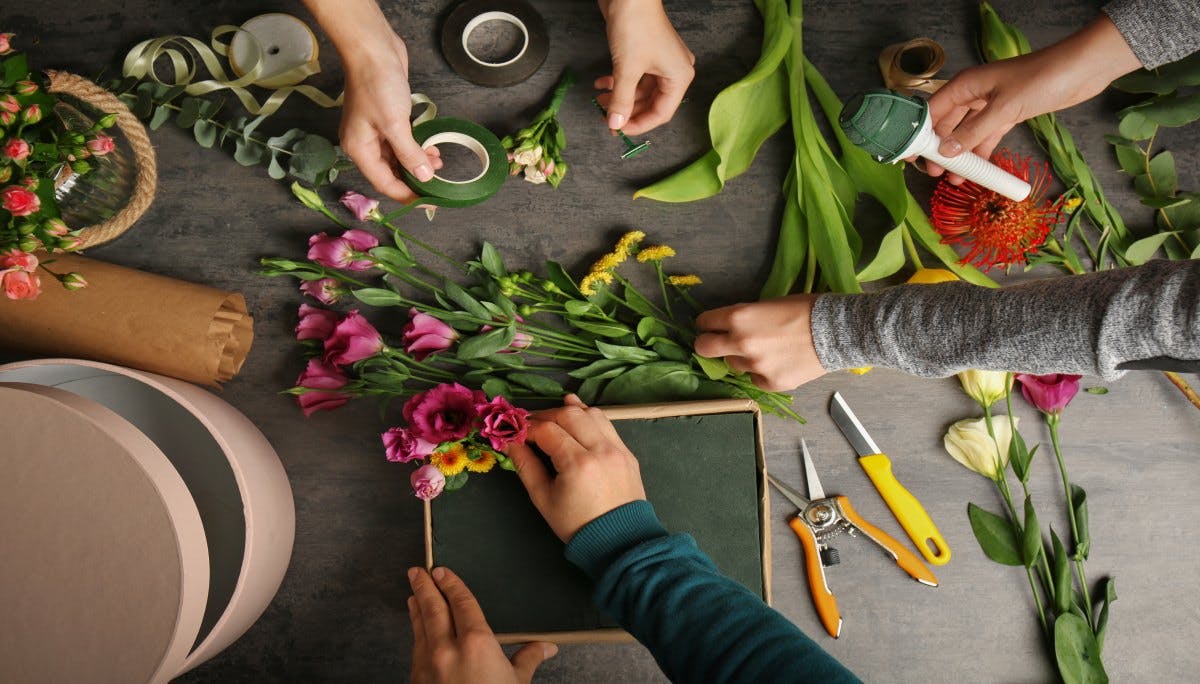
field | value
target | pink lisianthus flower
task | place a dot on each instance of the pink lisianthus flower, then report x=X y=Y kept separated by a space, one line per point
x=1049 y=393
x=425 y=335
x=427 y=482
x=18 y=260
x=325 y=290
x=315 y=324
x=321 y=381
x=361 y=206
x=101 y=145
x=339 y=252
x=444 y=413
x=16 y=149
x=20 y=284
x=402 y=446
x=353 y=339
x=501 y=423
x=19 y=201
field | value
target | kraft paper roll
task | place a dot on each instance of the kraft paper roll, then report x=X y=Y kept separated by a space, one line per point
x=132 y=318
x=929 y=56
x=486 y=146
x=472 y=14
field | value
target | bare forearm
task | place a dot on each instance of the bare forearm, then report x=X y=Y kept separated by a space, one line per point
x=359 y=30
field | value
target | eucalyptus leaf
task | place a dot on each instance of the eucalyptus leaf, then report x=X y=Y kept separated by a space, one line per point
x=248 y=153
x=312 y=156
x=1077 y=652
x=189 y=112
x=995 y=536
x=1168 y=110
x=652 y=382
x=1143 y=250
x=162 y=114
x=1161 y=180
x=205 y=133
x=144 y=104
x=375 y=296
x=1135 y=126
x=1163 y=79
x=275 y=169
x=1130 y=158
x=536 y=382
x=625 y=353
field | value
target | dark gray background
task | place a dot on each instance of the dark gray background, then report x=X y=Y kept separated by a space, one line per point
x=340 y=614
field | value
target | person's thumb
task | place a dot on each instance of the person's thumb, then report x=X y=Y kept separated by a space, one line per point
x=410 y=155
x=526 y=661
x=624 y=91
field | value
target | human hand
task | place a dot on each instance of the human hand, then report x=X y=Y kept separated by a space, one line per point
x=652 y=67
x=979 y=105
x=595 y=470
x=771 y=340
x=452 y=643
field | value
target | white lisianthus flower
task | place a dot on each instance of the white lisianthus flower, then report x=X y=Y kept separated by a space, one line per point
x=969 y=443
x=528 y=157
x=533 y=175
x=985 y=387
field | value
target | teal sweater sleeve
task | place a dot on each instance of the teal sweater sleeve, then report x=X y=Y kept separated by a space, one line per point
x=700 y=625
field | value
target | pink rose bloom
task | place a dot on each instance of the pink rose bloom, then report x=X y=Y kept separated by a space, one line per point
x=1049 y=393
x=18 y=260
x=101 y=145
x=361 y=206
x=402 y=446
x=19 y=201
x=20 y=284
x=501 y=423
x=6 y=117
x=325 y=290
x=5 y=43
x=16 y=149
x=321 y=380
x=444 y=413
x=353 y=339
x=427 y=482
x=315 y=324
x=425 y=335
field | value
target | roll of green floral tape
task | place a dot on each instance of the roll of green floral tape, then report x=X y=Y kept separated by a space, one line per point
x=477 y=139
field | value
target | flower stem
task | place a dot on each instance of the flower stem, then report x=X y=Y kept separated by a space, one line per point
x=1052 y=421
x=421 y=243
x=662 y=284
x=911 y=247
x=1183 y=387
x=1051 y=245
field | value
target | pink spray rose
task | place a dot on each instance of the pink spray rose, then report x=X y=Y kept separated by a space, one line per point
x=9 y=104
x=361 y=206
x=427 y=482
x=101 y=145
x=321 y=380
x=402 y=446
x=425 y=335
x=19 y=201
x=57 y=227
x=501 y=423
x=15 y=259
x=338 y=252
x=315 y=324
x=32 y=114
x=20 y=284
x=353 y=339
x=16 y=149
x=26 y=87
x=444 y=413
x=5 y=43
x=1049 y=393
x=325 y=290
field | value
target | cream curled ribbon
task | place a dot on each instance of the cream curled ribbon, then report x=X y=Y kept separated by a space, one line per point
x=927 y=53
x=185 y=54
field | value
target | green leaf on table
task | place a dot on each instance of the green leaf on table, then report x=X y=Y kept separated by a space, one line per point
x=274 y=168
x=144 y=103
x=499 y=360
x=596 y=368
x=189 y=112
x=652 y=382
x=1031 y=536
x=1169 y=110
x=792 y=246
x=715 y=369
x=1077 y=652
x=1083 y=545
x=488 y=343
x=248 y=153
x=1135 y=126
x=589 y=390
x=456 y=482
x=1019 y=456
x=1143 y=250
x=162 y=114
x=639 y=303
x=1109 y=592
x=537 y=383
x=492 y=261
x=1161 y=180
x=495 y=387
x=392 y=257
x=601 y=328
x=468 y=302
x=668 y=349
x=1060 y=574
x=651 y=327
x=1164 y=79
x=1129 y=156
x=1164 y=202
x=577 y=307
x=558 y=275
x=377 y=296
x=995 y=536
x=205 y=133
x=312 y=156
x=1185 y=215
x=625 y=353
x=889 y=258
x=1096 y=390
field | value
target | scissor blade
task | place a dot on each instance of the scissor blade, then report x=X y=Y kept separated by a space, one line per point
x=791 y=494
x=848 y=423
x=815 y=491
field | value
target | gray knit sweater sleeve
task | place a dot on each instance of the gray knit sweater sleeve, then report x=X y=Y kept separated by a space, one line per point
x=1095 y=324
x=1158 y=31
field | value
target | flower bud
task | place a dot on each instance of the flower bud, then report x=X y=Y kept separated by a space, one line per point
x=999 y=40
x=29 y=243
x=26 y=87
x=985 y=387
x=56 y=227
x=73 y=281
x=308 y=197
x=8 y=103
x=6 y=43
x=969 y=443
x=32 y=114
x=5 y=174
x=7 y=118
x=526 y=310
x=551 y=288
x=107 y=121
x=26 y=228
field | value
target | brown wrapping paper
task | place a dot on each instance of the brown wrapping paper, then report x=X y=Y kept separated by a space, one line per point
x=135 y=319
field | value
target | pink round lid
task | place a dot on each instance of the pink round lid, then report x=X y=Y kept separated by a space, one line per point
x=105 y=568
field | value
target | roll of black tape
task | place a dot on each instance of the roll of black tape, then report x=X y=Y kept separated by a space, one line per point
x=472 y=14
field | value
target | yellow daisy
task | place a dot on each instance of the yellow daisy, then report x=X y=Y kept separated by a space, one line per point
x=684 y=280
x=609 y=261
x=451 y=461
x=628 y=241
x=483 y=462
x=588 y=285
x=655 y=253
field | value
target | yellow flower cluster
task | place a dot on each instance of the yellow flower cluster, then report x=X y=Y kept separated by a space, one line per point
x=684 y=280
x=450 y=462
x=483 y=462
x=655 y=253
x=602 y=270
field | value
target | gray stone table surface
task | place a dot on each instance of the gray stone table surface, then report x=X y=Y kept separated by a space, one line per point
x=340 y=614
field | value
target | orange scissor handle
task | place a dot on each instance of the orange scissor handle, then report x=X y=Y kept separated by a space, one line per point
x=823 y=599
x=906 y=559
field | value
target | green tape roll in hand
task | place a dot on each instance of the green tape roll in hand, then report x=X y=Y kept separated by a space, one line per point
x=447 y=193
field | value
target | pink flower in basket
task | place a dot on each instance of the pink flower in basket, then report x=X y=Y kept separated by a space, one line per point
x=427 y=482
x=315 y=324
x=16 y=149
x=425 y=335
x=361 y=206
x=19 y=201
x=445 y=413
x=32 y=114
x=101 y=145
x=20 y=284
x=322 y=381
x=353 y=339
x=15 y=259
x=9 y=104
x=57 y=227
x=402 y=446
x=501 y=423
x=325 y=290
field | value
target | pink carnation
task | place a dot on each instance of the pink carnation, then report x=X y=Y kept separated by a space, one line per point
x=353 y=339
x=501 y=423
x=444 y=413
x=402 y=446
x=427 y=482
x=361 y=206
x=321 y=381
x=315 y=324
x=425 y=335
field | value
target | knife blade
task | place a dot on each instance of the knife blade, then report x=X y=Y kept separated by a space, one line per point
x=904 y=506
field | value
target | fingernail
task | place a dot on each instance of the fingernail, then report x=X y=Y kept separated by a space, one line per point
x=615 y=120
x=439 y=573
x=950 y=147
x=423 y=172
x=412 y=573
x=549 y=651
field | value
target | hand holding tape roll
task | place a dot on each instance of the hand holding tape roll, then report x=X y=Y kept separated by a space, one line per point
x=442 y=192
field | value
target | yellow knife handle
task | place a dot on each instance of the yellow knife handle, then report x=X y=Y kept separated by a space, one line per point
x=907 y=509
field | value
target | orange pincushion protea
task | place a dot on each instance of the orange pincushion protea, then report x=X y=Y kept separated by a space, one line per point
x=997 y=230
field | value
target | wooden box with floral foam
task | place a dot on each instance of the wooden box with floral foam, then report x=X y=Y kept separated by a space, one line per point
x=703 y=466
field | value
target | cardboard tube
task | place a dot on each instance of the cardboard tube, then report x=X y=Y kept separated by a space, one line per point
x=135 y=319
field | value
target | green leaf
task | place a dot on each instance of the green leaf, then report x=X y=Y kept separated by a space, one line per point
x=205 y=133
x=162 y=114
x=995 y=536
x=638 y=303
x=1184 y=215
x=1143 y=250
x=651 y=327
x=312 y=156
x=1077 y=652
x=1169 y=110
x=715 y=369
x=558 y=275
x=392 y=257
x=456 y=482
x=189 y=112
x=596 y=368
x=1083 y=545
x=144 y=103
x=576 y=307
x=669 y=350
x=375 y=296
x=652 y=382
x=1130 y=157
x=624 y=353
x=492 y=260
x=248 y=153
x=1109 y=591
x=488 y=343
x=1096 y=390
x=792 y=246
x=275 y=169
x=468 y=302
x=889 y=258
x=500 y=360
x=1164 y=79
x=1135 y=126
x=1161 y=180
x=924 y=233
x=1019 y=456
x=601 y=328
x=538 y=383
x=1031 y=540
x=1060 y=571
x=589 y=390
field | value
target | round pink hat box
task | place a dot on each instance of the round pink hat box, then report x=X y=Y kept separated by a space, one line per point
x=146 y=524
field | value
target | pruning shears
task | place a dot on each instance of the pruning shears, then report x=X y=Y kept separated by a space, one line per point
x=822 y=518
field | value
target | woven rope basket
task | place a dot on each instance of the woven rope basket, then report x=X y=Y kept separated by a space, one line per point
x=146 y=182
